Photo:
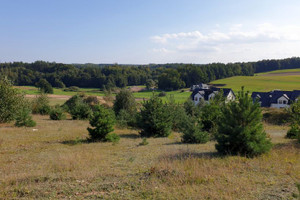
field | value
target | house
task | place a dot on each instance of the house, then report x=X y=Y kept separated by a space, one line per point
x=200 y=86
x=207 y=94
x=276 y=98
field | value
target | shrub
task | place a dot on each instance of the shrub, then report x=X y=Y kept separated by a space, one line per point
x=125 y=101
x=24 y=117
x=112 y=137
x=10 y=101
x=72 y=89
x=154 y=119
x=276 y=116
x=294 y=111
x=41 y=105
x=44 y=86
x=103 y=121
x=91 y=100
x=162 y=94
x=240 y=128
x=193 y=132
x=77 y=107
x=57 y=113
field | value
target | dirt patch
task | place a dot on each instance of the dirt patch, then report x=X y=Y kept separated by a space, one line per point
x=282 y=74
x=63 y=97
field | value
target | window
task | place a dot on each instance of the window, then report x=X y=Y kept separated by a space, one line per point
x=284 y=102
x=280 y=101
x=196 y=99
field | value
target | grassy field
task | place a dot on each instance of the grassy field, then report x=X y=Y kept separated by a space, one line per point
x=52 y=162
x=178 y=95
x=280 y=79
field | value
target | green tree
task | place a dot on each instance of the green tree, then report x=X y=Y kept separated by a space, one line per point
x=150 y=84
x=125 y=101
x=294 y=111
x=154 y=118
x=44 y=86
x=40 y=104
x=103 y=122
x=24 y=117
x=77 y=107
x=193 y=132
x=10 y=101
x=240 y=128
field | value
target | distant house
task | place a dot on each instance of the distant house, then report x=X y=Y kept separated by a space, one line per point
x=200 y=86
x=207 y=94
x=276 y=98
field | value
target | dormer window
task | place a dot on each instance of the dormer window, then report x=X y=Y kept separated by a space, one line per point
x=196 y=99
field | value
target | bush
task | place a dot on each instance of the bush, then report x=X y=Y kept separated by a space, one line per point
x=293 y=132
x=24 y=117
x=144 y=142
x=193 y=132
x=72 y=89
x=41 y=105
x=240 y=129
x=91 y=100
x=77 y=107
x=125 y=101
x=154 y=119
x=103 y=121
x=294 y=111
x=112 y=137
x=57 y=113
x=162 y=94
x=276 y=116
x=44 y=86
x=10 y=101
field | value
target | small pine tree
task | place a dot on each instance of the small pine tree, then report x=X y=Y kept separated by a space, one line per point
x=77 y=107
x=240 y=128
x=125 y=101
x=10 y=101
x=103 y=122
x=193 y=132
x=57 y=113
x=40 y=105
x=294 y=111
x=154 y=118
x=24 y=117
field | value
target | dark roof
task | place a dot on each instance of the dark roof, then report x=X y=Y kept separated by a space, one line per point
x=207 y=92
x=267 y=98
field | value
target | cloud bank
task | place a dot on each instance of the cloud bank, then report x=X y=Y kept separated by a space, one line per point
x=236 y=43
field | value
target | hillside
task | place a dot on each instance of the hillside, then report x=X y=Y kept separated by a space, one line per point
x=279 y=79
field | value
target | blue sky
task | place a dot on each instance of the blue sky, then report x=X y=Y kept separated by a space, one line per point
x=154 y=31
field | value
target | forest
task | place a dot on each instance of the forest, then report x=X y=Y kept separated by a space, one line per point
x=106 y=76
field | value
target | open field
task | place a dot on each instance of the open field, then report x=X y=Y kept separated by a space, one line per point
x=138 y=93
x=280 y=79
x=54 y=162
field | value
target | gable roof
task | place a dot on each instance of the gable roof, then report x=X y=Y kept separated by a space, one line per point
x=207 y=92
x=268 y=98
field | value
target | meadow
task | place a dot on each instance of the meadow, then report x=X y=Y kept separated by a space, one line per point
x=54 y=161
x=262 y=82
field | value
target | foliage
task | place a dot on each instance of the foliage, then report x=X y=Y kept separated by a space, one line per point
x=154 y=119
x=77 y=107
x=125 y=119
x=103 y=121
x=191 y=109
x=57 y=113
x=10 y=101
x=24 y=117
x=112 y=137
x=240 y=130
x=91 y=100
x=40 y=105
x=171 y=76
x=44 y=86
x=294 y=111
x=125 y=101
x=151 y=84
x=72 y=89
x=276 y=116
x=162 y=94
x=177 y=114
x=193 y=132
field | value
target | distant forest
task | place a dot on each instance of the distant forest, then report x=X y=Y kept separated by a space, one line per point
x=106 y=76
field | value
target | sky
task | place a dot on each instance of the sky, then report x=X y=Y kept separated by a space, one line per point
x=153 y=31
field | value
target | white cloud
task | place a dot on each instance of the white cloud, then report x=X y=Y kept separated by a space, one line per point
x=235 y=44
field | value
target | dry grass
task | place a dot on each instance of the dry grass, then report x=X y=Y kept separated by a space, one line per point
x=55 y=162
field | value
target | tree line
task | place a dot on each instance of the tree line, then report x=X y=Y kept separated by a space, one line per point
x=107 y=76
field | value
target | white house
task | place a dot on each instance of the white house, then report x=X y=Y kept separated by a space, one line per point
x=207 y=94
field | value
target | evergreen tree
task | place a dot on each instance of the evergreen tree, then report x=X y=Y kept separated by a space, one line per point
x=103 y=122
x=193 y=131
x=44 y=86
x=240 y=128
x=154 y=118
x=294 y=111
x=10 y=101
x=125 y=101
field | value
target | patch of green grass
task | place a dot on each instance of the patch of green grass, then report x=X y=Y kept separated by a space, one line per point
x=264 y=81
